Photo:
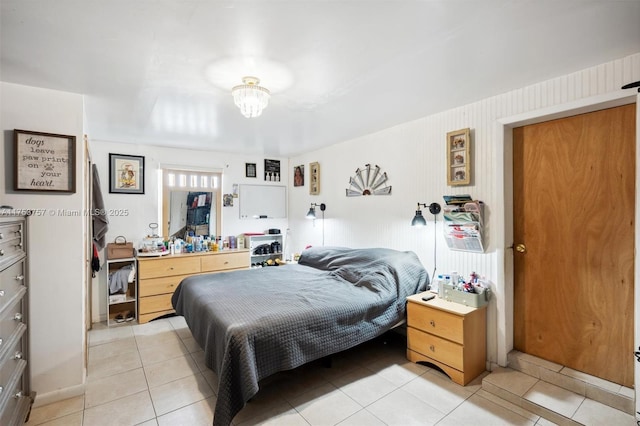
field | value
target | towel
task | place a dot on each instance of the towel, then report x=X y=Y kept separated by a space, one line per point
x=99 y=213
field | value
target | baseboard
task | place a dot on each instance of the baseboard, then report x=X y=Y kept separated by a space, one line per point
x=58 y=395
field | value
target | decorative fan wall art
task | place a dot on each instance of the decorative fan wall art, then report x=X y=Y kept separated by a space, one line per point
x=368 y=181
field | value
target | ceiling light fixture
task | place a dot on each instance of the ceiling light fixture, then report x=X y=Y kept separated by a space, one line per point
x=250 y=97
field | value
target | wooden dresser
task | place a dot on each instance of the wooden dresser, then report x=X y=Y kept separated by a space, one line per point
x=15 y=394
x=158 y=277
x=449 y=335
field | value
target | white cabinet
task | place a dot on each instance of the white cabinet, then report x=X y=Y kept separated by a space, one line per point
x=122 y=290
x=264 y=248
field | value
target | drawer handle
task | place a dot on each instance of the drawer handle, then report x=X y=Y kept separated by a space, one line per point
x=1 y=252
x=0 y=341
x=20 y=277
x=17 y=316
x=17 y=355
x=1 y=293
x=432 y=348
x=433 y=323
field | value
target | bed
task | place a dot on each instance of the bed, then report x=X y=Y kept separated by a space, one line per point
x=253 y=323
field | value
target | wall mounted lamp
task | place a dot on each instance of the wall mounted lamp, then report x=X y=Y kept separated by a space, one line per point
x=311 y=214
x=418 y=219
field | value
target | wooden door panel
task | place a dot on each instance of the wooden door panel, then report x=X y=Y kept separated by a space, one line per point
x=574 y=208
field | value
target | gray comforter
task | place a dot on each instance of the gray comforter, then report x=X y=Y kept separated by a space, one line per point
x=253 y=323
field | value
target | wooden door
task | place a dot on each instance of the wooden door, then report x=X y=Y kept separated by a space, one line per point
x=574 y=208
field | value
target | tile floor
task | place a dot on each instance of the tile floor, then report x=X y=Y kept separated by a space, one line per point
x=154 y=374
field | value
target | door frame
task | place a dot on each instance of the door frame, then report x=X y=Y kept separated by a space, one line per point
x=504 y=188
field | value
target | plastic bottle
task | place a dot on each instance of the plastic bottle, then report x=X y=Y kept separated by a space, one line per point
x=436 y=284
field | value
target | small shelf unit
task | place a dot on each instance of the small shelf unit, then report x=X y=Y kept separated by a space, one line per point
x=263 y=247
x=122 y=307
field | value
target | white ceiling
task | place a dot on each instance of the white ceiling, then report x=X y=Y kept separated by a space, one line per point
x=160 y=71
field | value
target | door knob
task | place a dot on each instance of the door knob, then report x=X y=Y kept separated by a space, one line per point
x=521 y=248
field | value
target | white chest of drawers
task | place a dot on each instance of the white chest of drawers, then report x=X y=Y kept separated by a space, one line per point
x=15 y=394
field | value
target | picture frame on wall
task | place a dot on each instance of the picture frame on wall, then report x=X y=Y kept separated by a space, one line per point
x=298 y=175
x=126 y=174
x=459 y=157
x=44 y=162
x=250 y=170
x=272 y=170
x=314 y=178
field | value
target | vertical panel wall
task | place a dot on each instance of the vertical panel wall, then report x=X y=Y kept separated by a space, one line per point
x=413 y=155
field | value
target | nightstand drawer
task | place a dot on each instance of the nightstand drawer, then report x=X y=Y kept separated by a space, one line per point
x=435 y=321
x=435 y=347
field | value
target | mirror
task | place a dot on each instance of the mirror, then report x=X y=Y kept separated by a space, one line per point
x=191 y=212
x=191 y=203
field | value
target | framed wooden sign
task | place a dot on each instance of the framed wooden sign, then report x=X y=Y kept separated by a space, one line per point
x=459 y=157
x=44 y=162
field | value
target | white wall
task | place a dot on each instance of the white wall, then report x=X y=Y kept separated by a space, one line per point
x=143 y=209
x=413 y=154
x=56 y=259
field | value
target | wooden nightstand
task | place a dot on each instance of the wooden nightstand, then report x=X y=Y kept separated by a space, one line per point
x=449 y=335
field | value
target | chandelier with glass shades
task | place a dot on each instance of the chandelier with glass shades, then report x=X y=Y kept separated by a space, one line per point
x=250 y=97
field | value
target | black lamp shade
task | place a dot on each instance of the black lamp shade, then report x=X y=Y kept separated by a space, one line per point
x=418 y=219
x=311 y=214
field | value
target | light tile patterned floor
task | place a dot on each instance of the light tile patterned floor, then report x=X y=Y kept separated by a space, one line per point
x=154 y=374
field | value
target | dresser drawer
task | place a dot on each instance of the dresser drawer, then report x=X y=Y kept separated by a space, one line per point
x=435 y=321
x=221 y=262
x=11 y=320
x=169 y=266
x=12 y=280
x=155 y=303
x=11 y=231
x=11 y=240
x=12 y=396
x=164 y=285
x=436 y=347
x=12 y=356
